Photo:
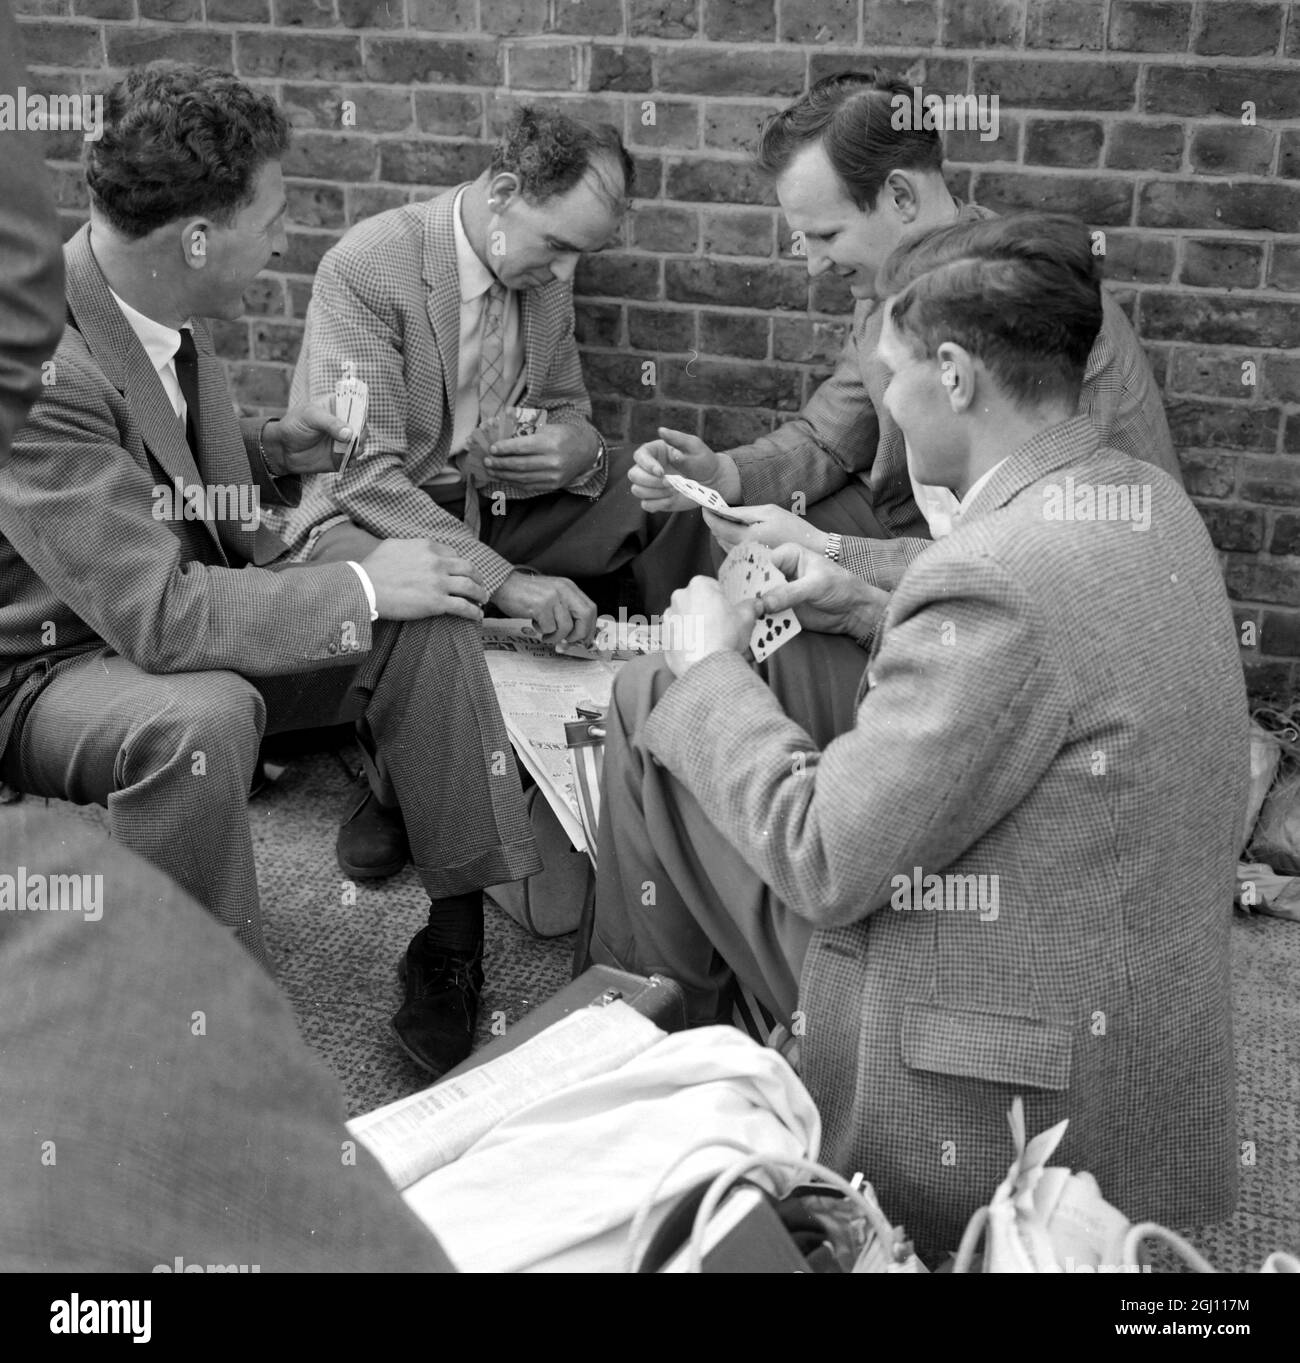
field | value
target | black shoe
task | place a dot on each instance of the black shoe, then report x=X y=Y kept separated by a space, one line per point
x=372 y=841
x=435 y=1026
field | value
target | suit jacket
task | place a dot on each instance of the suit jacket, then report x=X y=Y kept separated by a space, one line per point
x=387 y=299
x=1032 y=687
x=84 y=559
x=846 y=432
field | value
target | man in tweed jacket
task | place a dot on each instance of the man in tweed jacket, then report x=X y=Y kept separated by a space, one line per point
x=853 y=184
x=144 y=644
x=1010 y=872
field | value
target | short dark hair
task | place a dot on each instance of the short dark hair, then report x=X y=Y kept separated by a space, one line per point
x=852 y=116
x=551 y=152
x=1023 y=294
x=180 y=140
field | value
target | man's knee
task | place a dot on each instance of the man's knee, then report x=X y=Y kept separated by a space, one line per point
x=212 y=721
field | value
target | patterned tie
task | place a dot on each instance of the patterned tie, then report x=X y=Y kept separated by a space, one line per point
x=491 y=381
x=187 y=375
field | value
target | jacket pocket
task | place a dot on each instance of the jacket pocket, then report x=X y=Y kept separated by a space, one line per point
x=1023 y=1051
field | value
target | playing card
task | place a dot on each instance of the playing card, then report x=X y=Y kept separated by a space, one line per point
x=351 y=398
x=702 y=496
x=746 y=573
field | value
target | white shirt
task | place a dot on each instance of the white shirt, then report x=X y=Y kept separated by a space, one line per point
x=939 y=505
x=160 y=344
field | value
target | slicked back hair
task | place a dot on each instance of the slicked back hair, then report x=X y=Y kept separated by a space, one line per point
x=1022 y=294
x=180 y=141
x=551 y=152
x=851 y=115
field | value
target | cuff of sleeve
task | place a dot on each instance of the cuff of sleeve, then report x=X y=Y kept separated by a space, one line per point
x=368 y=587
x=680 y=717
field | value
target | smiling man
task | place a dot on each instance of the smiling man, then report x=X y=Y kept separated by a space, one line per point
x=1003 y=871
x=450 y=311
x=853 y=186
x=145 y=644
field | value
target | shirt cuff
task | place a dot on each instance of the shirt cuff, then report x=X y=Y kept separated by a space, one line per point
x=368 y=587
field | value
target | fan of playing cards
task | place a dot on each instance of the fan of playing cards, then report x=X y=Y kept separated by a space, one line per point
x=702 y=496
x=351 y=398
x=746 y=573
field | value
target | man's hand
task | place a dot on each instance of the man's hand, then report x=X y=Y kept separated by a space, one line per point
x=302 y=440
x=415 y=578
x=554 y=456
x=677 y=452
x=825 y=597
x=770 y=525
x=701 y=621
x=561 y=613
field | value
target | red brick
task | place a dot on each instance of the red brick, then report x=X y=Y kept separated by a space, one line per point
x=337 y=156
x=230 y=339
x=1147 y=27
x=595 y=18
x=739 y=334
x=505 y=18
x=609 y=416
x=1234 y=528
x=1214 y=264
x=298 y=54
x=734 y=127
x=665 y=229
x=1232 y=151
x=277 y=341
x=612 y=274
x=68 y=186
x=443 y=16
x=1256 y=207
x=1291 y=434
x=1101 y=201
x=740 y=21
x=723 y=71
x=451 y=113
x=371 y=109
x=661 y=329
x=1282 y=378
x=48 y=8
x=1228 y=29
x=731 y=384
x=1281 y=633
x=534 y=65
x=315 y=205
x=958 y=182
x=1145 y=146
x=1063 y=142
x=1277 y=482
x=1263 y=580
x=305 y=251
x=172 y=11
x=700 y=181
x=991 y=23
x=303 y=13
x=423 y=161
x=1291 y=47
x=626 y=69
x=264 y=297
x=647 y=176
x=598 y=324
x=1289 y=159
x=676 y=124
x=663 y=18
x=1216 y=425
x=735 y=285
x=1220 y=319
x=969 y=144
x=259 y=385
x=1158 y=359
x=413 y=61
x=1209 y=372
x=1208 y=475
x=1095 y=86
x=1284 y=272
x=1286 y=535
x=1202 y=91
x=71 y=44
x=819 y=21
x=830 y=294
x=900 y=23
x=725 y=428
x=805 y=341
x=99 y=9
x=364 y=201
x=371 y=13
x=623 y=373
x=737 y=232
x=1075 y=24
x=645 y=418
x=299 y=296
x=139 y=46
x=233 y=11
x=938 y=73
x=1271 y=681
x=1139 y=257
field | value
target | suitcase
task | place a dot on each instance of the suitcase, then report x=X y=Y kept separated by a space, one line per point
x=655 y=996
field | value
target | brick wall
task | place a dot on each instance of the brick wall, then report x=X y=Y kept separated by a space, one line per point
x=1133 y=114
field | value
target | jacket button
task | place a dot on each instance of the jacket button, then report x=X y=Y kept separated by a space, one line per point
x=332 y=648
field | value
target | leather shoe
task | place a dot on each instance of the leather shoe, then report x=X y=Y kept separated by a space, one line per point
x=372 y=841
x=435 y=1026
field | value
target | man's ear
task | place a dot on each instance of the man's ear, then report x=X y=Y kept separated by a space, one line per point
x=504 y=187
x=957 y=374
x=194 y=242
x=901 y=195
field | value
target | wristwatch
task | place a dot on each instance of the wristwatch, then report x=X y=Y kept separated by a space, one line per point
x=832 y=550
x=600 y=456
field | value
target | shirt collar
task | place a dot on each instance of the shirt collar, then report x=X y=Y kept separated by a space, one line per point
x=475 y=277
x=160 y=342
x=973 y=491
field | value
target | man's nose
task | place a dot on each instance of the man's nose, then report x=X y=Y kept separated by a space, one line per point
x=280 y=241
x=818 y=261
x=564 y=266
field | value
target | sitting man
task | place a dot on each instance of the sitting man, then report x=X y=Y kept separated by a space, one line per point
x=853 y=185
x=1009 y=873
x=145 y=646
x=449 y=310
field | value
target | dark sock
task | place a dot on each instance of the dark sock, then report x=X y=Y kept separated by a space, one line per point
x=455 y=924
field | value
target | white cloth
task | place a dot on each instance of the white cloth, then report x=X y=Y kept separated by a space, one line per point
x=939 y=505
x=160 y=344
x=555 y=1187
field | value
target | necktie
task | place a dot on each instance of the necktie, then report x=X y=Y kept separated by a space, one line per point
x=187 y=374
x=491 y=381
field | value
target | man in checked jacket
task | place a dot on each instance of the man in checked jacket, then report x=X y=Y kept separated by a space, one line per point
x=1004 y=870
x=145 y=643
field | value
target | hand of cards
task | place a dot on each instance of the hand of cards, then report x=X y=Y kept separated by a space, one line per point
x=702 y=496
x=746 y=573
x=351 y=398
x=508 y=423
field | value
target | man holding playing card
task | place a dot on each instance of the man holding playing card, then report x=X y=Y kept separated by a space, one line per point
x=999 y=869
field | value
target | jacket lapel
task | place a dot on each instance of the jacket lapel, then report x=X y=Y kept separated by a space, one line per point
x=442 y=281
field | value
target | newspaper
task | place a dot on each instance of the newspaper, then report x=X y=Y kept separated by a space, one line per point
x=416 y=1135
